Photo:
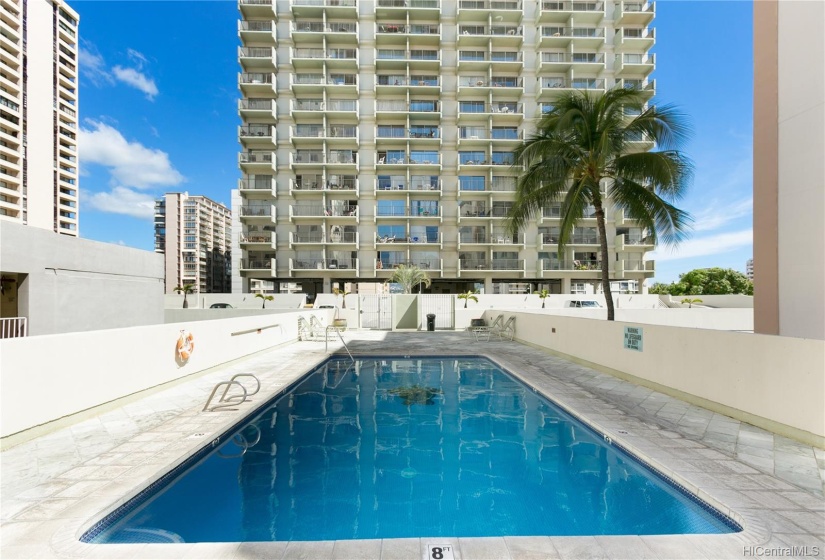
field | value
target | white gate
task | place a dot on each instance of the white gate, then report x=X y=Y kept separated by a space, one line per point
x=376 y=312
x=442 y=305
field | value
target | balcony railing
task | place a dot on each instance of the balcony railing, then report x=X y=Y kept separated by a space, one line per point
x=258 y=237
x=402 y=80
x=253 y=25
x=256 y=211
x=324 y=264
x=484 y=81
x=256 y=78
x=576 y=83
x=412 y=107
x=255 y=185
x=346 y=157
x=401 y=54
x=320 y=27
x=257 y=104
x=325 y=54
x=319 y=79
x=401 y=158
x=489 y=5
x=256 y=52
x=429 y=4
x=325 y=3
x=583 y=265
x=574 y=58
x=572 y=6
x=263 y=130
x=412 y=29
x=495 y=56
x=406 y=212
x=311 y=211
x=572 y=32
x=256 y=157
x=494 y=30
x=13 y=327
x=257 y=264
x=495 y=239
x=313 y=131
x=401 y=184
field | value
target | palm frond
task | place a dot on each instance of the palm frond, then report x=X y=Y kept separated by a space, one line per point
x=663 y=220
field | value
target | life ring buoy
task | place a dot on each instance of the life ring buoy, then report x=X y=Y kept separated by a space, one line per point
x=186 y=345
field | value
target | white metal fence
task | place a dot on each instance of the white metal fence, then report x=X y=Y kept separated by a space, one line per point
x=12 y=327
x=441 y=305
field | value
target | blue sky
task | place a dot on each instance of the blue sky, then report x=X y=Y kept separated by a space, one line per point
x=158 y=104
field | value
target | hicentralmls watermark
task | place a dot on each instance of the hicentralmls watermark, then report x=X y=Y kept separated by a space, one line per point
x=781 y=551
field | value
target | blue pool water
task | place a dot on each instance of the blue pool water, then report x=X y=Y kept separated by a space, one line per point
x=471 y=452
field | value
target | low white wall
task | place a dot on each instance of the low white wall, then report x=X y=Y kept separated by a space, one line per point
x=183 y=315
x=772 y=381
x=48 y=377
x=239 y=301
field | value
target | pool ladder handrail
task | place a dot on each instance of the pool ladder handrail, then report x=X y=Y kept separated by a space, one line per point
x=231 y=400
x=240 y=440
x=338 y=330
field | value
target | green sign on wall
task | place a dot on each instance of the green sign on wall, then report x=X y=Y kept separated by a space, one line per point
x=633 y=338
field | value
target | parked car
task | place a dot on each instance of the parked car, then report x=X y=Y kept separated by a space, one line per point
x=220 y=306
x=583 y=303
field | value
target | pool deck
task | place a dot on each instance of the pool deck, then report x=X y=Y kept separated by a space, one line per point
x=56 y=486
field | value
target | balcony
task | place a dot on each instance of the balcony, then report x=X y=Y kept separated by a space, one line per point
x=257 y=58
x=320 y=238
x=400 y=59
x=347 y=158
x=257 y=240
x=317 y=211
x=481 y=35
x=257 y=135
x=494 y=239
x=333 y=31
x=561 y=12
x=257 y=8
x=337 y=265
x=480 y=111
x=257 y=161
x=258 y=266
x=472 y=266
x=427 y=109
x=647 y=88
x=416 y=10
x=400 y=33
x=592 y=63
x=263 y=110
x=481 y=60
x=400 y=185
x=334 y=107
x=634 y=39
x=481 y=83
x=636 y=267
x=635 y=64
x=417 y=135
x=254 y=84
x=256 y=31
x=561 y=37
x=333 y=9
x=626 y=241
x=389 y=158
x=634 y=13
x=407 y=212
x=262 y=187
x=333 y=134
x=423 y=240
x=478 y=10
x=335 y=183
x=302 y=84
x=258 y=214
x=333 y=59
x=549 y=88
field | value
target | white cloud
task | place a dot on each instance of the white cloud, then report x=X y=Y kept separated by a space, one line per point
x=131 y=163
x=704 y=246
x=719 y=213
x=92 y=65
x=137 y=57
x=122 y=200
x=136 y=79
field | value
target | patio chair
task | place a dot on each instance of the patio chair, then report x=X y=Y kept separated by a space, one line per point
x=484 y=331
x=508 y=329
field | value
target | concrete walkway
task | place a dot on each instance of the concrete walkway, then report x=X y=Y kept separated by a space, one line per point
x=56 y=486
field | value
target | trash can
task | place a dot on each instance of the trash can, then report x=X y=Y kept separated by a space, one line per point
x=430 y=321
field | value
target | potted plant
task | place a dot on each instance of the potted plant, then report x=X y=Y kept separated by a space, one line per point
x=691 y=301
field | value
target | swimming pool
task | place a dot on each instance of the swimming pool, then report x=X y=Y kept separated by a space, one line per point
x=407 y=447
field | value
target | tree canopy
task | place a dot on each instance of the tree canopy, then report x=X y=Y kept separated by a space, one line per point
x=706 y=281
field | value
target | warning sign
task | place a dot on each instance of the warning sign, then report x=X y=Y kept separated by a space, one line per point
x=633 y=338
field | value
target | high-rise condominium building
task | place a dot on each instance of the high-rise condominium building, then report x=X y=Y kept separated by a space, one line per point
x=38 y=114
x=749 y=269
x=194 y=234
x=378 y=133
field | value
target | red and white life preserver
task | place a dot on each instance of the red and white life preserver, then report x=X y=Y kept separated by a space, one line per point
x=186 y=345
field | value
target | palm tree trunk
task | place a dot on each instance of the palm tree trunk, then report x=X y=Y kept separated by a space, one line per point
x=608 y=296
x=185 y=303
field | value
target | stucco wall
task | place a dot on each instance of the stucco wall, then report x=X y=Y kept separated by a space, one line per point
x=49 y=377
x=775 y=382
x=240 y=301
x=73 y=284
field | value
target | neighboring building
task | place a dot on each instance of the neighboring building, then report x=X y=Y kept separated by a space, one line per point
x=380 y=133
x=749 y=269
x=194 y=234
x=788 y=168
x=38 y=114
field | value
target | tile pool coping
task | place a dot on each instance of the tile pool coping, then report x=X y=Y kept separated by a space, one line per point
x=703 y=471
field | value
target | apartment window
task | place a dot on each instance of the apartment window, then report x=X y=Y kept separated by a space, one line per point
x=471 y=183
x=471 y=107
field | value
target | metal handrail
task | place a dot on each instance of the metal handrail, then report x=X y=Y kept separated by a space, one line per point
x=230 y=400
x=338 y=330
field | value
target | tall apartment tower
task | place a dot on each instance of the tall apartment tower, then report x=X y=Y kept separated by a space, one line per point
x=376 y=133
x=194 y=234
x=38 y=114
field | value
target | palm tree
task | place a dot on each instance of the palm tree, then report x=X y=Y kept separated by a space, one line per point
x=467 y=296
x=265 y=299
x=186 y=289
x=585 y=143
x=409 y=277
x=691 y=301
x=543 y=294
x=344 y=293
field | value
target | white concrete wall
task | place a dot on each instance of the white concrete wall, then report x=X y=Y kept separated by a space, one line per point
x=239 y=301
x=775 y=382
x=184 y=315
x=801 y=185
x=73 y=284
x=49 y=377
